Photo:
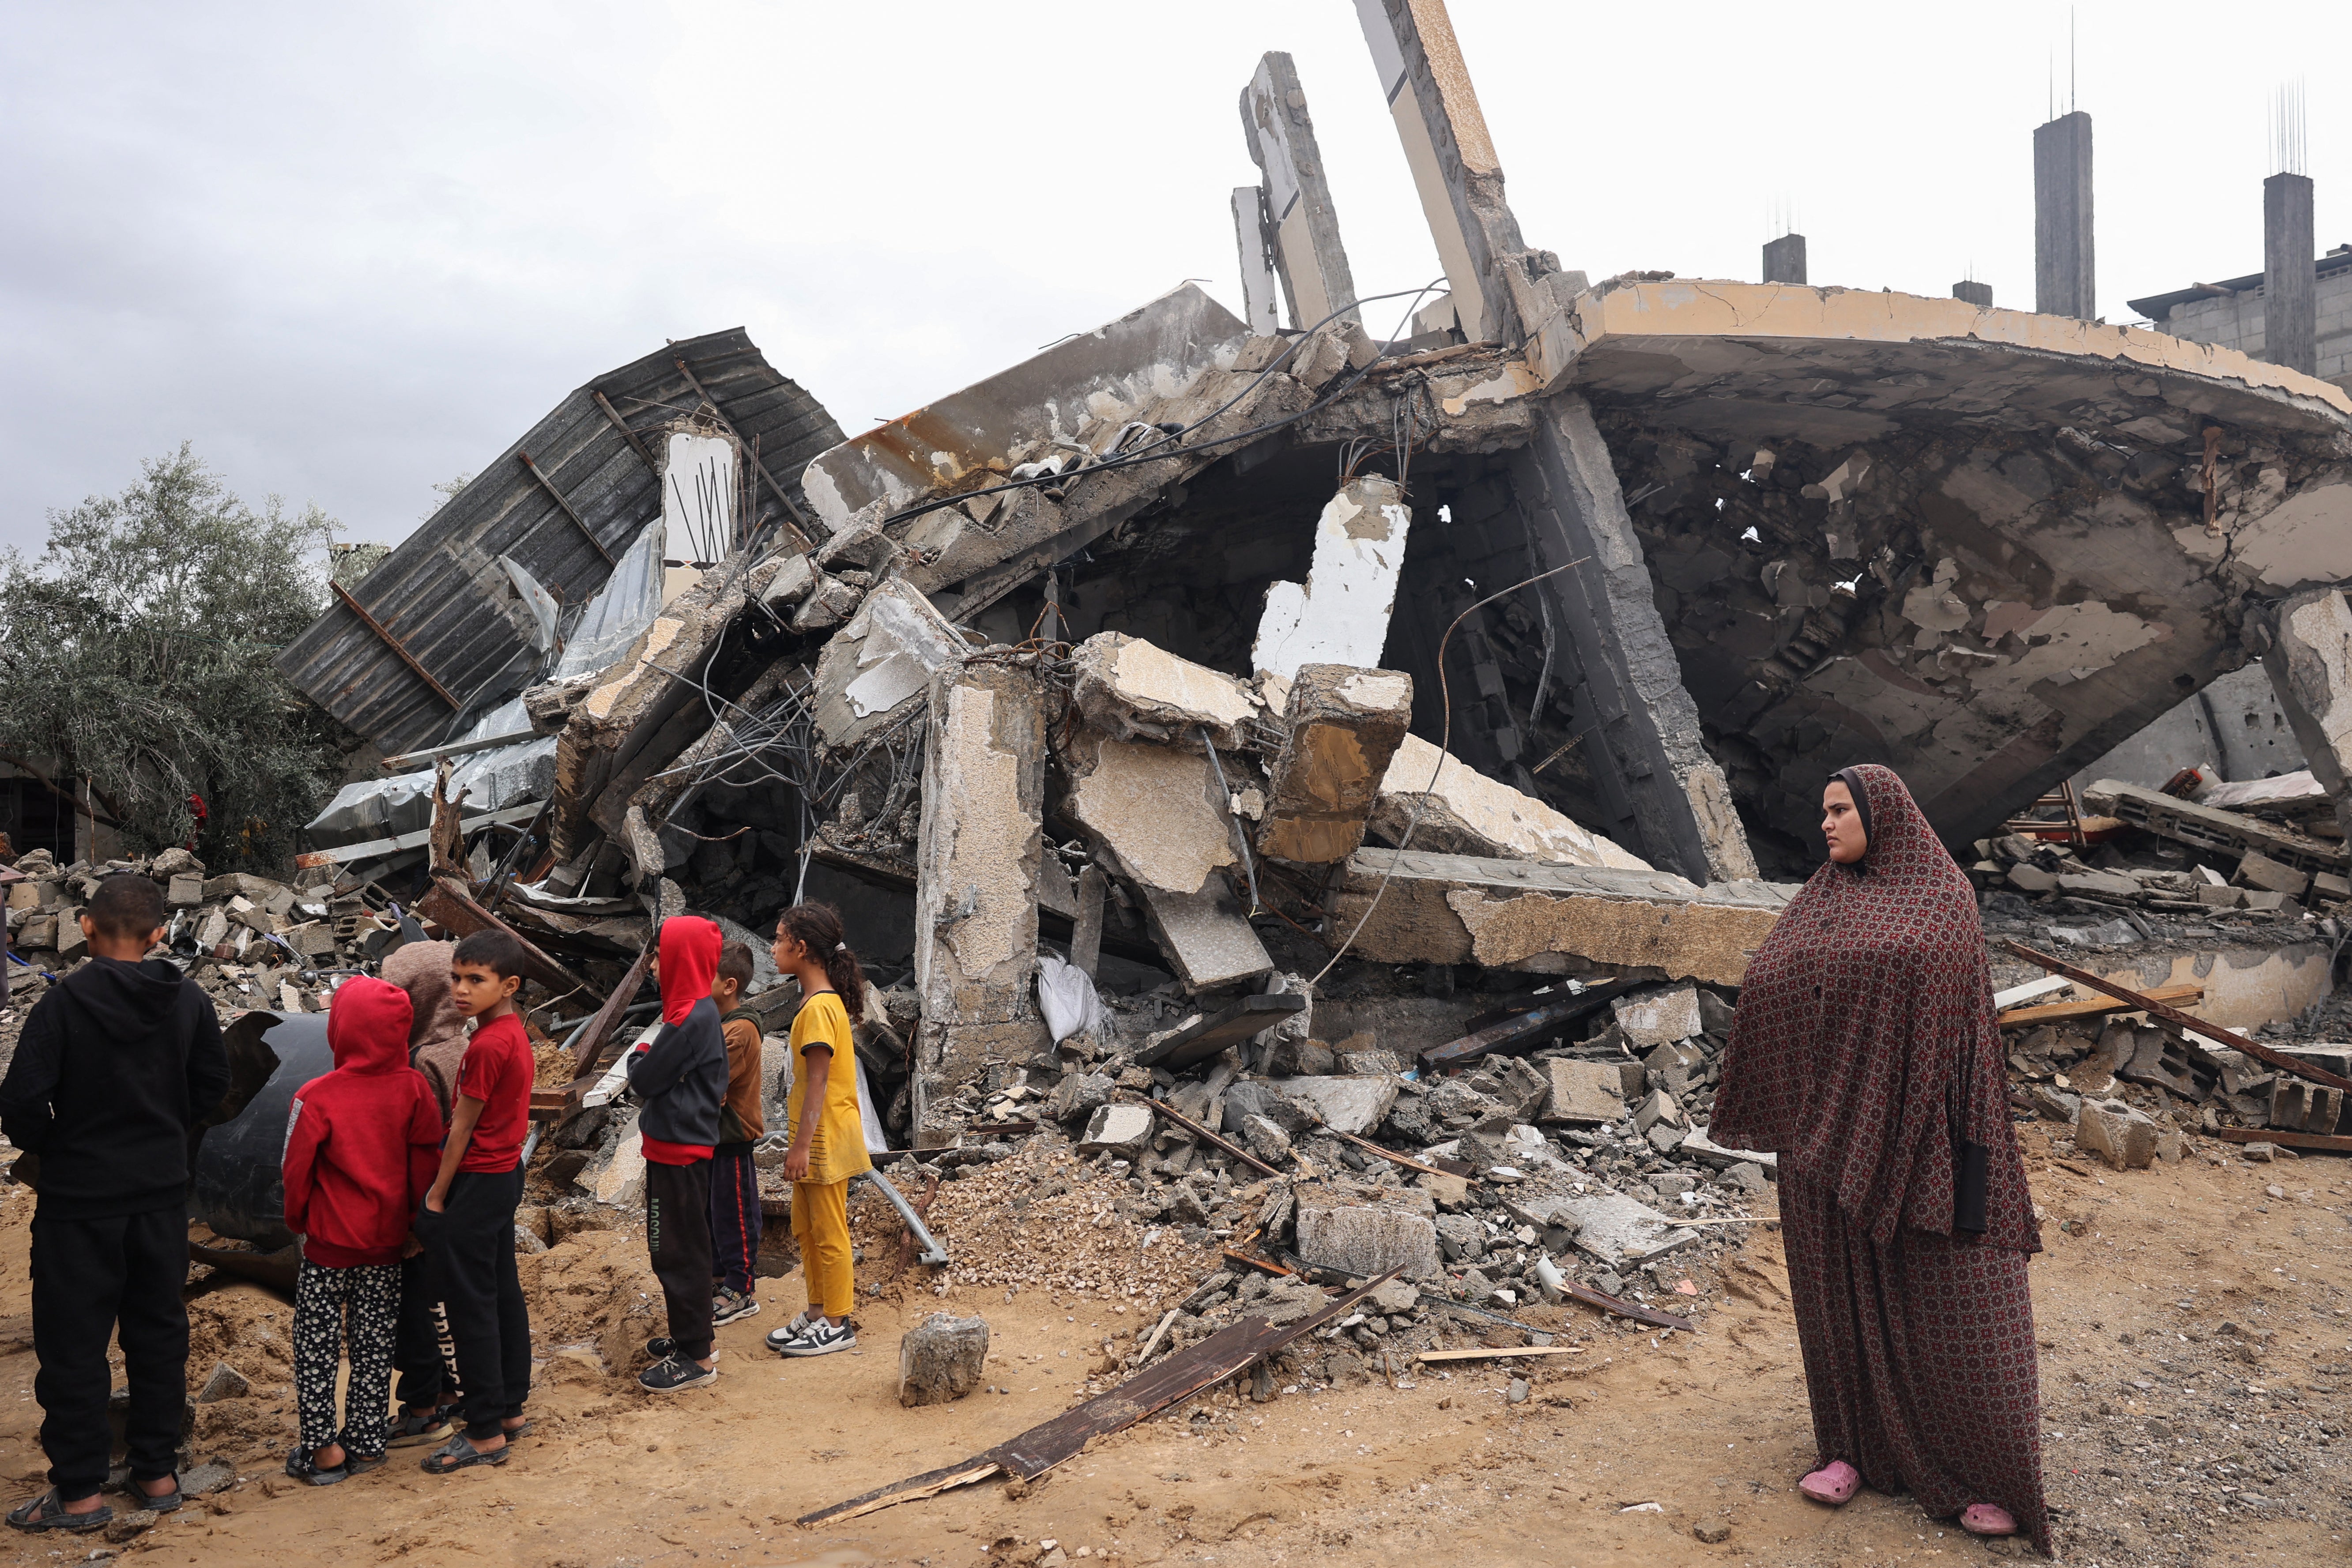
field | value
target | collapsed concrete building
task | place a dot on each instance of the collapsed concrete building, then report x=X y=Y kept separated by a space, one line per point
x=1498 y=659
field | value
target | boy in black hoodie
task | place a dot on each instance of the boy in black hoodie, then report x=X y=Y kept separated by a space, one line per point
x=680 y=1074
x=116 y=1066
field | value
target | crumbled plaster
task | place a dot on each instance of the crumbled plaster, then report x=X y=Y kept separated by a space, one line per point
x=1340 y=614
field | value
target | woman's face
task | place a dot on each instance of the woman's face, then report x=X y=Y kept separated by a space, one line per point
x=1842 y=825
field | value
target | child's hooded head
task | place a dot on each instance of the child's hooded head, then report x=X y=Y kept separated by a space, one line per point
x=367 y=1025
x=689 y=958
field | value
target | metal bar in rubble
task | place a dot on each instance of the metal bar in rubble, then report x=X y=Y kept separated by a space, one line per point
x=561 y=500
x=415 y=665
x=792 y=506
x=2180 y=1019
x=932 y=1253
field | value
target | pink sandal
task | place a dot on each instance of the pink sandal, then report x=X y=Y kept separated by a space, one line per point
x=1988 y=1519
x=1834 y=1484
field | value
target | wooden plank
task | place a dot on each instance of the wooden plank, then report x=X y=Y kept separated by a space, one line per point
x=393 y=643
x=1481 y=1353
x=2181 y=1020
x=1525 y=1027
x=2092 y=1006
x=1389 y=1154
x=1197 y=1130
x=453 y=909
x=2325 y=1142
x=589 y=1048
x=1250 y=1016
x=1633 y=1309
x=344 y=854
x=1031 y=1454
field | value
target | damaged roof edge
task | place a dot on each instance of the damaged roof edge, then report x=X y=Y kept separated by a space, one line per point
x=1151 y=352
x=564 y=516
x=1721 y=307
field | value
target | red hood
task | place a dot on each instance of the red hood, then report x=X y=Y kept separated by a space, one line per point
x=689 y=962
x=367 y=1026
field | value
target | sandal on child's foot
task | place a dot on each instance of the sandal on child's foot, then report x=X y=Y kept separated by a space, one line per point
x=359 y=1464
x=1988 y=1519
x=1833 y=1483
x=162 y=1502
x=303 y=1465
x=675 y=1372
x=409 y=1428
x=47 y=1511
x=519 y=1429
x=458 y=1454
x=728 y=1304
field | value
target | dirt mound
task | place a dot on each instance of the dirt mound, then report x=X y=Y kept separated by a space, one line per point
x=252 y=1331
x=594 y=1303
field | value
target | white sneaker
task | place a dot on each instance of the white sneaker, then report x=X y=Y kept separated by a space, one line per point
x=777 y=1338
x=820 y=1338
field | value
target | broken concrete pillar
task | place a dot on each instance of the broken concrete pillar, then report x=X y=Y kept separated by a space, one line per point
x=1261 y=298
x=2118 y=1134
x=1129 y=688
x=1456 y=810
x=976 y=871
x=939 y=1359
x=1555 y=919
x=2289 y=281
x=1975 y=293
x=1344 y=728
x=1643 y=747
x=2064 y=282
x=1155 y=810
x=1207 y=940
x=875 y=671
x=1784 y=259
x=1455 y=169
x=1307 y=255
x=1341 y=614
x=2309 y=661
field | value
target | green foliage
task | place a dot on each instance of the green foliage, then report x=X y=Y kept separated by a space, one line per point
x=138 y=650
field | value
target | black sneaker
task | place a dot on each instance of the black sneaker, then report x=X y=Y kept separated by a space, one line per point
x=820 y=1338
x=671 y=1374
x=661 y=1347
x=779 y=1338
x=727 y=1305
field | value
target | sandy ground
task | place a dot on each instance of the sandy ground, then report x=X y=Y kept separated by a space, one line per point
x=2193 y=1354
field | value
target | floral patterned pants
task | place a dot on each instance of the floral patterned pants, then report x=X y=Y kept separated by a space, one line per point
x=338 y=1311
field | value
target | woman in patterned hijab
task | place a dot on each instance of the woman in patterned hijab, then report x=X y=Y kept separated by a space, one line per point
x=1865 y=1052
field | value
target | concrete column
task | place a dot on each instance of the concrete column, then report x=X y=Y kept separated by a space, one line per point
x=1784 y=259
x=1307 y=254
x=1261 y=290
x=2290 y=275
x=976 y=871
x=2309 y=661
x=1642 y=746
x=2064 y=269
x=1977 y=294
x=1453 y=159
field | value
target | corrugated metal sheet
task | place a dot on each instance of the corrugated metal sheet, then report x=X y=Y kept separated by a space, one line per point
x=440 y=592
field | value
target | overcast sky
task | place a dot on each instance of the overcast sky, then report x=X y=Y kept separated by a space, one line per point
x=350 y=251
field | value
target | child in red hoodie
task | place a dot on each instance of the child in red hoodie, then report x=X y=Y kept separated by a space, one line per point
x=361 y=1145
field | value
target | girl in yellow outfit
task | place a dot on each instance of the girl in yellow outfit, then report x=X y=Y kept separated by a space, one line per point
x=828 y=1135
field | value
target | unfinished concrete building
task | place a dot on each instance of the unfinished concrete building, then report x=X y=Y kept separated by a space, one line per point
x=1507 y=631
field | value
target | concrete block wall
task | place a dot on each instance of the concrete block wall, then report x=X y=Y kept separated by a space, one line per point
x=2235 y=724
x=2236 y=322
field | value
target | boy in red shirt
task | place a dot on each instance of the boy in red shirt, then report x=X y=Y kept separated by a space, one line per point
x=466 y=1223
x=360 y=1147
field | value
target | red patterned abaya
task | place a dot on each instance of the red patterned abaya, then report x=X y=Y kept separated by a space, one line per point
x=1865 y=1033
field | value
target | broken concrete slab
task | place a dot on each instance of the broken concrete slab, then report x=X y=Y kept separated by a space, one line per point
x=1658 y=1017
x=1341 y=614
x=1344 y=726
x=2256 y=869
x=878 y=668
x=1155 y=810
x=1197 y=1038
x=2228 y=831
x=1303 y=226
x=2117 y=1133
x=2310 y=671
x=1365 y=1241
x=976 y=883
x=1619 y=1231
x=1119 y=1130
x=1353 y=1105
x=1133 y=689
x=1583 y=1093
x=1205 y=937
x=1455 y=909
x=1452 y=809
x=1698 y=1144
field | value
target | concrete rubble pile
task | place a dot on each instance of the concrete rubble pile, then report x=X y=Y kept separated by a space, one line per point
x=1327 y=781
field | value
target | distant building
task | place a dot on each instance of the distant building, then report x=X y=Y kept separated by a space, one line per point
x=2229 y=314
